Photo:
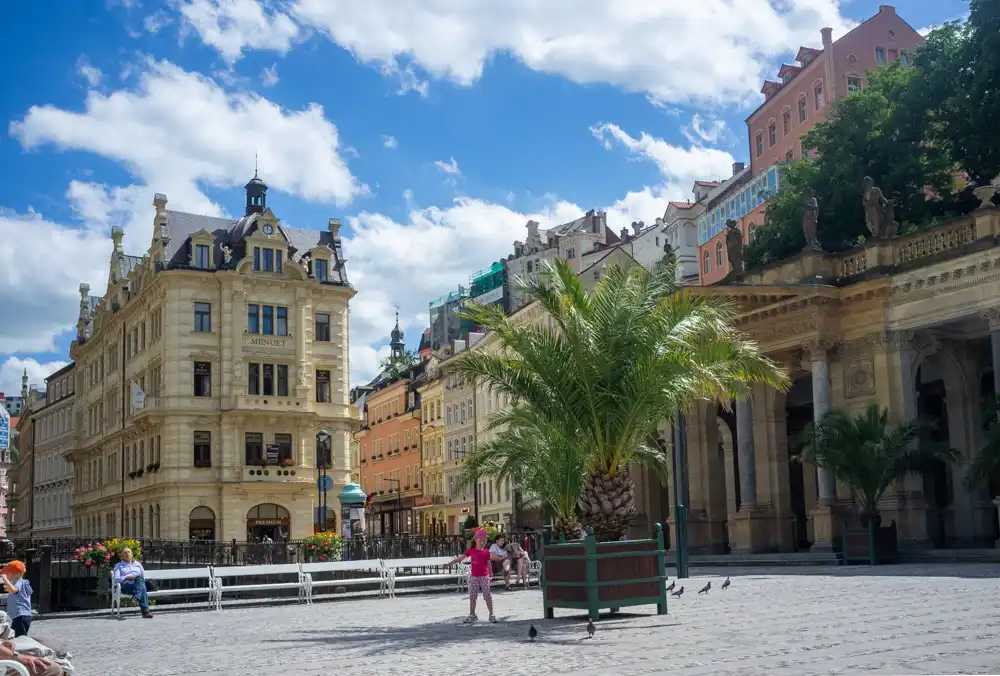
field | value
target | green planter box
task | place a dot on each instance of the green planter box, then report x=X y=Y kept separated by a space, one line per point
x=872 y=544
x=591 y=575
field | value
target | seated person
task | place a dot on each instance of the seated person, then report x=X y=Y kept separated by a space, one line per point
x=517 y=553
x=131 y=575
x=36 y=666
x=498 y=554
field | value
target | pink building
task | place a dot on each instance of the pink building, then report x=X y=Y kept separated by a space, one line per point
x=793 y=104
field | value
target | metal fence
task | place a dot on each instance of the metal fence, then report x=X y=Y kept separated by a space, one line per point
x=61 y=583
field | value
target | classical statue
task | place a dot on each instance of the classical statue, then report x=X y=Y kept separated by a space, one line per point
x=734 y=247
x=880 y=213
x=810 y=221
x=227 y=254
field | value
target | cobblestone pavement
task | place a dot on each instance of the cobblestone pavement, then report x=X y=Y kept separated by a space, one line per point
x=926 y=619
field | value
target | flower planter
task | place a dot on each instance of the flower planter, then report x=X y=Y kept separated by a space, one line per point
x=591 y=575
x=870 y=544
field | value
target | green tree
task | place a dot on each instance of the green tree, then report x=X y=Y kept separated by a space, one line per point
x=617 y=362
x=868 y=454
x=984 y=469
x=396 y=365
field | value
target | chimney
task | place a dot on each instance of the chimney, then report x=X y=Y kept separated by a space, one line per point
x=599 y=222
x=637 y=227
x=624 y=235
x=334 y=225
x=888 y=9
x=827 y=37
x=738 y=167
x=160 y=202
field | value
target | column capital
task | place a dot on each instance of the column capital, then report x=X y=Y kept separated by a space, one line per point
x=992 y=317
x=818 y=349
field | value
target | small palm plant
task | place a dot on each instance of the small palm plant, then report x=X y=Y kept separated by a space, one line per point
x=547 y=468
x=868 y=454
x=985 y=467
x=616 y=363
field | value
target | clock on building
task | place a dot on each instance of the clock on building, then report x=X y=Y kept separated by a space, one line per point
x=268 y=229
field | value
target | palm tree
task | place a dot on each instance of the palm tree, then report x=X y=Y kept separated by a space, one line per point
x=986 y=465
x=868 y=454
x=617 y=363
x=546 y=467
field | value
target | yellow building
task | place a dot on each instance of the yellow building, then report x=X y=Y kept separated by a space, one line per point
x=459 y=435
x=431 y=505
x=205 y=372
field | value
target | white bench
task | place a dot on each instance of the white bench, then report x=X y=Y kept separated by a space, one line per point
x=221 y=574
x=437 y=563
x=164 y=574
x=384 y=579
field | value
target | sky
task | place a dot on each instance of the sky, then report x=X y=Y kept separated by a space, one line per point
x=434 y=129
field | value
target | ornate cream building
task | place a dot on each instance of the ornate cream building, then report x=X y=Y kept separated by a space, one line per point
x=53 y=477
x=911 y=324
x=205 y=371
x=430 y=505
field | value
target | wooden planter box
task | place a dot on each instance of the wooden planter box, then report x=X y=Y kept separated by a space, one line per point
x=591 y=575
x=872 y=545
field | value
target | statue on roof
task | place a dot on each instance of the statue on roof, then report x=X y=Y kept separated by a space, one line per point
x=880 y=213
x=227 y=254
x=734 y=247
x=810 y=222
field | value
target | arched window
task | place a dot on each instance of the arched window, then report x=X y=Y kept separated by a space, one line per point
x=158 y=522
x=706 y=261
x=142 y=523
x=718 y=254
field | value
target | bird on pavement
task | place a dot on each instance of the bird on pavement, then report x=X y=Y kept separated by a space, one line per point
x=706 y=588
x=532 y=632
x=671 y=586
x=678 y=592
x=591 y=628
x=725 y=585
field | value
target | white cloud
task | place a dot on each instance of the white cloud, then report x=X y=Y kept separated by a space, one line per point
x=670 y=50
x=269 y=76
x=927 y=29
x=168 y=148
x=449 y=167
x=230 y=26
x=706 y=131
x=89 y=72
x=390 y=142
x=12 y=370
x=169 y=145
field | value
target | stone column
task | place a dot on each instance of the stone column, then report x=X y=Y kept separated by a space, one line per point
x=820 y=367
x=992 y=318
x=824 y=518
x=745 y=451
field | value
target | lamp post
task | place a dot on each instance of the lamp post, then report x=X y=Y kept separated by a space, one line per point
x=681 y=496
x=323 y=483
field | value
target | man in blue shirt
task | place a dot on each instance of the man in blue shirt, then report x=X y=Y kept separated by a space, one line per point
x=131 y=575
x=18 y=592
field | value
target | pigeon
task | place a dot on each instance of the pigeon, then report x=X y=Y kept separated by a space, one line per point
x=532 y=632
x=706 y=588
x=591 y=628
x=671 y=586
x=678 y=592
x=725 y=585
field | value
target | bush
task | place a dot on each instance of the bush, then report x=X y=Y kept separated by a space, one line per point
x=325 y=546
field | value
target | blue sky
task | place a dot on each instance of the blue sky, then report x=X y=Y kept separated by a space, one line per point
x=433 y=129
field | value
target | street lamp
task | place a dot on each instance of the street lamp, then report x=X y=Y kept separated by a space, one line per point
x=323 y=484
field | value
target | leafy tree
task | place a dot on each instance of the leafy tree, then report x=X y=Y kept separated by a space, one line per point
x=396 y=365
x=868 y=454
x=912 y=129
x=617 y=362
x=984 y=469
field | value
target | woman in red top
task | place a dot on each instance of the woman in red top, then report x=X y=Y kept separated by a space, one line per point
x=479 y=578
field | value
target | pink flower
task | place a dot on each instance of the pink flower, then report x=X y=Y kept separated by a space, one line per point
x=89 y=562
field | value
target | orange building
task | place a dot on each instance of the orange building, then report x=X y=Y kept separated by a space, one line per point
x=793 y=104
x=389 y=448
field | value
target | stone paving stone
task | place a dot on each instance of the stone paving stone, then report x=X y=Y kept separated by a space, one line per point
x=937 y=618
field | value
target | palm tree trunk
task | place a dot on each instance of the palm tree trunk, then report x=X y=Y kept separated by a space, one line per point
x=608 y=503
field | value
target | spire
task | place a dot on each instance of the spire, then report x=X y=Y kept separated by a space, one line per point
x=256 y=192
x=396 y=339
x=24 y=387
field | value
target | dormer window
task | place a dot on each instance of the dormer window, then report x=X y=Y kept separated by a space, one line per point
x=266 y=259
x=321 y=269
x=202 y=256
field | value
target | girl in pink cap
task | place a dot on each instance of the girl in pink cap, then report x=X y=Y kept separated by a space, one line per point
x=479 y=579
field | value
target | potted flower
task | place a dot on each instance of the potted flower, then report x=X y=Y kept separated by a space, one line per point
x=103 y=556
x=324 y=546
x=288 y=462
